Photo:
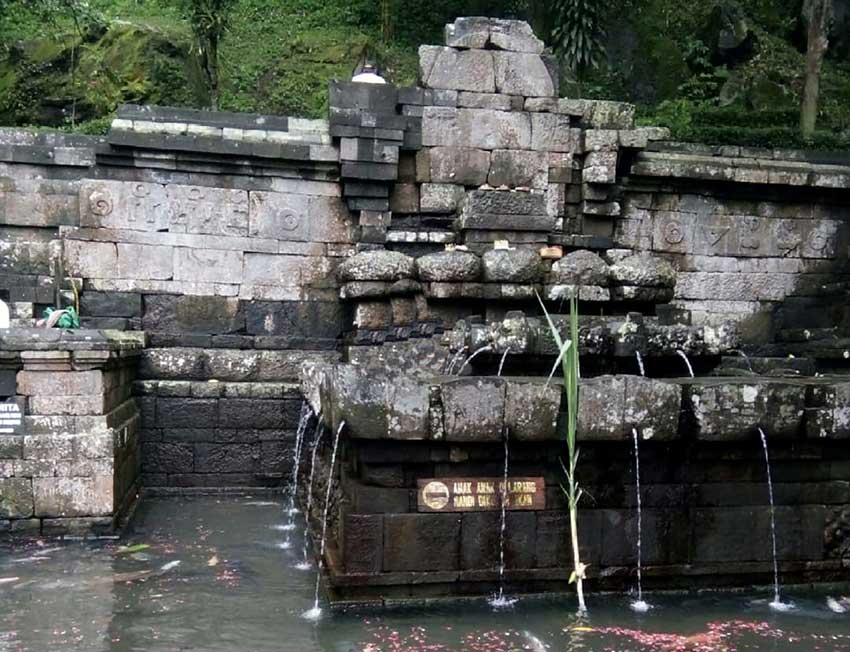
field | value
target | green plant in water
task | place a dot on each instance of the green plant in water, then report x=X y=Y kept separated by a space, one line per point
x=568 y=356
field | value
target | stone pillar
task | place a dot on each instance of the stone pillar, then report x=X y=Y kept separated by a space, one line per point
x=73 y=463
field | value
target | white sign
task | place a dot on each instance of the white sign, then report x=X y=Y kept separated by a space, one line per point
x=4 y=315
x=11 y=418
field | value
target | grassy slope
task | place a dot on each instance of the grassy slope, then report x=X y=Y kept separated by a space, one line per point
x=279 y=55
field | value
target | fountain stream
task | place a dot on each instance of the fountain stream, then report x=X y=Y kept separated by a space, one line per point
x=305 y=564
x=639 y=604
x=500 y=600
x=303 y=420
x=316 y=612
x=455 y=359
x=684 y=357
x=640 y=363
x=470 y=358
x=502 y=361
x=777 y=603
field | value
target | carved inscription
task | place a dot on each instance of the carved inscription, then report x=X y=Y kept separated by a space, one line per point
x=480 y=494
x=744 y=235
x=174 y=208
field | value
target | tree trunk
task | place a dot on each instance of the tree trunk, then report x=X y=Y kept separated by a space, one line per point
x=212 y=71
x=817 y=14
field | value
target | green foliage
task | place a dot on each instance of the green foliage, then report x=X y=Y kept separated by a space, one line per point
x=568 y=355
x=577 y=32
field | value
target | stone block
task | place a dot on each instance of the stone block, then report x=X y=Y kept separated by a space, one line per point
x=67 y=405
x=514 y=36
x=137 y=261
x=601 y=408
x=111 y=304
x=552 y=133
x=461 y=70
x=207 y=265
x=61 y=383
x=186 y=413
x=226 y=458
x=421 y=542
x=611 y=115
x=363 y=543
x=41 y=209
x=734 y=411
x=359 y=399
x=495 y=101
x=322 y=319
x=474 y=409
x=449 y=266
x=404 y=198
x=652 y=407
x=519 y=73
x=477 y=128
x=68 y=497
x=252 y=413
x=273 y=269
x=192 y=314
x=407 y=408
x=600 y=167
x=373 y=315
x=377 y=265
x=468 y=32
x=16 y=498
x=531 y=410
x=516 y=168
x=166 y=457
x=511 y=265
x=580 y=268
x=440 y=197
x=459 y=165
x=90 y=259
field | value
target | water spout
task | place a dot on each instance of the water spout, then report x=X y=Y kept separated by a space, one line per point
x=303 y=420
x=500 y=601
x=746 y=358
x=316 y=612
x=470 y=358
x=684 y=357
x=777 y=603
x=638 y=605
x=305 y=564
x=455 y=359
x=640 y=363
x=502 y=361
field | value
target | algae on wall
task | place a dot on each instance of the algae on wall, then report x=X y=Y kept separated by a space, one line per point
x=78 y=76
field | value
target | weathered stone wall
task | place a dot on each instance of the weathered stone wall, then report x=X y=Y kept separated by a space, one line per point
x=217 y=234
x=73 y=464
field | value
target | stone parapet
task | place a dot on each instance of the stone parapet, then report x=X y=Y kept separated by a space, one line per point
x=73 y=463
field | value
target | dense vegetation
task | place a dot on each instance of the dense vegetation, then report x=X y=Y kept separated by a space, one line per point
x=718 y=71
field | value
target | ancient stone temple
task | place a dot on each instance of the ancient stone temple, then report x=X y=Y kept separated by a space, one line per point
x=388 y=266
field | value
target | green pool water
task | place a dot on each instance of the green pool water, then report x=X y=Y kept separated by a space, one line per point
x=234 y=588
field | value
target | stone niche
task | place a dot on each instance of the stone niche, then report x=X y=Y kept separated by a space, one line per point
x=70 y=461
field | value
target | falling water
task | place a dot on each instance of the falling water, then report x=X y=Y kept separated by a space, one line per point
x=291 y=510
x=746 y=358
x=320 y=432
x=502 y=361
x=303 y=420
x=777 y=603
x=639 y=604
x=684 y=357
x=500 y=600
x=455 y=359
x=640 y=363
x=316 y=612
x=470 y=358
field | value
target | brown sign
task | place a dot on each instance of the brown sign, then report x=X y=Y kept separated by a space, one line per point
x=480 y=494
